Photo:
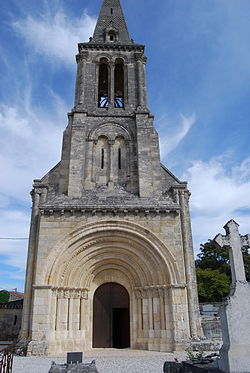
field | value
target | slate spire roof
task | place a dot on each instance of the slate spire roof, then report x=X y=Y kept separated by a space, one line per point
x=111 y=18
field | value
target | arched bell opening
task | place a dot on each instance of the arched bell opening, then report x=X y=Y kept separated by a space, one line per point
x=103 y=86
x=119 y=83
x=111 y=318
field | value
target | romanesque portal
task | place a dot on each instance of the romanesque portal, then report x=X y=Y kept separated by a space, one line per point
x=110 y=260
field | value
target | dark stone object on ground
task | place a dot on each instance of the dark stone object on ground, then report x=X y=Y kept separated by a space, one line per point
x=172 y=367
x=191 y=367
x=73 y=368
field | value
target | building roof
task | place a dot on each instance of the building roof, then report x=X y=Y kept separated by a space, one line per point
x=16 y=304
x=111 y=18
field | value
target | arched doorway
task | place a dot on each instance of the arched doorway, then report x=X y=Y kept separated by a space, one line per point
x=111 y=319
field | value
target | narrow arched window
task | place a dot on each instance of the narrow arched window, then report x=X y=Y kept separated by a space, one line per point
x=103 y=87
x=119 y=83
x=119 y=158
x=102 y=159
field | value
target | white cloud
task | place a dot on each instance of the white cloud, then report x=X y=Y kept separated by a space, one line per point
x=30 y=143
x=218 y=196
x=170 y=141
x=14 y=224
x=56 y=36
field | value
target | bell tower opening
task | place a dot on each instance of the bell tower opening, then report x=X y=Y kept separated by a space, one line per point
x=103 y=88
x=119 y=83
x=111 y=319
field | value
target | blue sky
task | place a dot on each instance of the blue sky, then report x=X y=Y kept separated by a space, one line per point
x=198 y=76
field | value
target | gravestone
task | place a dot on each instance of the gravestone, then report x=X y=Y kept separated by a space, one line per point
x=235 y=321
x=73 y=368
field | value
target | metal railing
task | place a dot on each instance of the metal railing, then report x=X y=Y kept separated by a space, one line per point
x=6 y=359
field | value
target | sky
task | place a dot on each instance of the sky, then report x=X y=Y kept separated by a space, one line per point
x=198 y=76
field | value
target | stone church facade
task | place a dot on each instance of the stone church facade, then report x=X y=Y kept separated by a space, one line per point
x=110 y=261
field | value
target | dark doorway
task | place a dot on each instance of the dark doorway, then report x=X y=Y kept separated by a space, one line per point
x=111 y=321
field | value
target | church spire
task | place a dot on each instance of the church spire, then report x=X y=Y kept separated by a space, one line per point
x=111 y=25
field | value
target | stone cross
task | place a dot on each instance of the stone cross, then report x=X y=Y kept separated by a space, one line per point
x=236 y=242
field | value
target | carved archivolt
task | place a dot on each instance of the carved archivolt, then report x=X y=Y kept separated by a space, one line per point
x=120 y=247
x=109 y=130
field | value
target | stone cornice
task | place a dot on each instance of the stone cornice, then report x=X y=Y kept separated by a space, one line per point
x=103 y=210
x=104 y=46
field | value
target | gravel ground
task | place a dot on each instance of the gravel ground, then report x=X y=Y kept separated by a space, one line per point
x=107 y=361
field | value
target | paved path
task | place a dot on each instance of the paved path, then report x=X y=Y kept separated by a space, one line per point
x=107 y=361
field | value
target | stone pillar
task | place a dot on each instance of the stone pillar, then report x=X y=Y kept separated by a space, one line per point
x=70 y=314
x=77 y=156
x=53 y=312
x=139 y=300
x=112 y=84
x=156 y=310
x=192 y=294
x=40 y=321
x=82 y=313
x=180 y=317
x=145 y=312
x=144 y=86
x=145 y=171
x=141 y=72
x=64 y=314
x=76 y=314
x=111 y=177
x=150 y=310
x=39 y=195
x=168 y=336
x=80 y=78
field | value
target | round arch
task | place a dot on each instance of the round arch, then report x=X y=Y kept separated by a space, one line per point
x=125 y=249
x=111 y=130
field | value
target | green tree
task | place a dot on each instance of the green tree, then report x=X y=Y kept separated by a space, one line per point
x=214 y=257
x=213 y=285
x=214 y=273
x=4 y=296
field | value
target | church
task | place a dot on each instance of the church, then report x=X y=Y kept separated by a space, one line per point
x=110 y=259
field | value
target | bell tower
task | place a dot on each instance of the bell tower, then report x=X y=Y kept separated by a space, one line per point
x=110 y=235
x=119 y=145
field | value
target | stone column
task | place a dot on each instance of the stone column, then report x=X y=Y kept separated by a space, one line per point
x=192 y=294
x=38 y=191
x=144 y=86
x=40 y=322
x=157 y=310
x=62 y=315
x=53 y=312
x=111 y=170
x=112 y=84
x=139 y=300
x=162 y=309
x=150 y=309
x=145 y=312
x=70 y=314
x=141 y=72
x=80 y=78
x=77 y=156
x=82 y=314
x=76 y=314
